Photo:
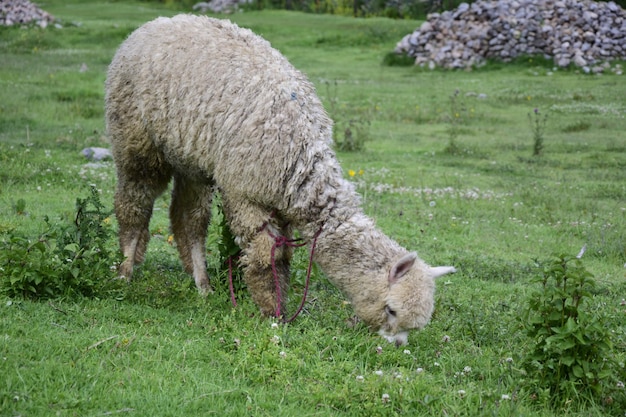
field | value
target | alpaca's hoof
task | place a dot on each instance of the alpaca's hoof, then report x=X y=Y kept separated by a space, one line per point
x=204 y=288
x=204 y=292
x=271 y=312
x=126 y=270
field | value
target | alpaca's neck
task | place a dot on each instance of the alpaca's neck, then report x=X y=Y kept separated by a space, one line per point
x=354 y=252
x=351 y=251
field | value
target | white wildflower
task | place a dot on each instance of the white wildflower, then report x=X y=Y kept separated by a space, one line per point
x=379 y=373
x=360 y=378
x=461 y=393
x=407 y=352
x=385 y=398
x=505 y=397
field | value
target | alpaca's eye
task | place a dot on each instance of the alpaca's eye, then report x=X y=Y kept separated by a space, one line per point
x=390 y=311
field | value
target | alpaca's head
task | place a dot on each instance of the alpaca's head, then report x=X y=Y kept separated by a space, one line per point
x=409 y=299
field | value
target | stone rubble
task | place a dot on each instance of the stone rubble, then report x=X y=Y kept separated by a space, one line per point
x=23 y=12
x=219 y=6
x=583 y=33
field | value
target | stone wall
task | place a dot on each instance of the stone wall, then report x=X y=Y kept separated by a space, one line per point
x=220 y=6
x=23 y=12
x=584 y=33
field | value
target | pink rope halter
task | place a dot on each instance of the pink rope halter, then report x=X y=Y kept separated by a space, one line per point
x=280 y=241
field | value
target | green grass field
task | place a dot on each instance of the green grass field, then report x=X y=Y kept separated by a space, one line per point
x=447 y=169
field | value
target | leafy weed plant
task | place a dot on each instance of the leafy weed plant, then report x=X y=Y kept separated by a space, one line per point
x=228 y=250
x=572 y=347
x=71 y=257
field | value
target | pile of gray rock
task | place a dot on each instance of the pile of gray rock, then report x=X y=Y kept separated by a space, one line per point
x=580 y=32
x=219 y=6
x=23 y=12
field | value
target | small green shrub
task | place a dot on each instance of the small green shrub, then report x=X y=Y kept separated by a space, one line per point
x=20 y=207
x=579 y=126
x=454 y=119
x=355 y=133
x=538 y=127
x=69 y=258
x=393 y=59
x=352 y=125
x=226 y=244
x=571 y=356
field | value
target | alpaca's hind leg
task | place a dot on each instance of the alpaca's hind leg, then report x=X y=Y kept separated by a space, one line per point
x=190 y=213
x=256 y=240
x=134 y=200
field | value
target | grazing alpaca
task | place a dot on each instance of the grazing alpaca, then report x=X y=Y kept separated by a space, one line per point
x=216 y=107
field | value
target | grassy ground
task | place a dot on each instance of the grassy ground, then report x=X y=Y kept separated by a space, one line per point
x=447 y=170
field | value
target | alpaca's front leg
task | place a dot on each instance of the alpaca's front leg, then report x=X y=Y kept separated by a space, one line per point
x=256 y=230
x=260 y=266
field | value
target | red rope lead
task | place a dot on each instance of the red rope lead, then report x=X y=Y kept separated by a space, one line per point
x=230 y=281
x=308 y=278
x=280 y=241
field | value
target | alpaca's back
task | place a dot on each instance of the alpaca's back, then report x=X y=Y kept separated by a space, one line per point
x=214 y=101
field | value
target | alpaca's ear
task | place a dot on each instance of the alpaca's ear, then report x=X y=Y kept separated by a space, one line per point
x=402 y=267
x=438 y=271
